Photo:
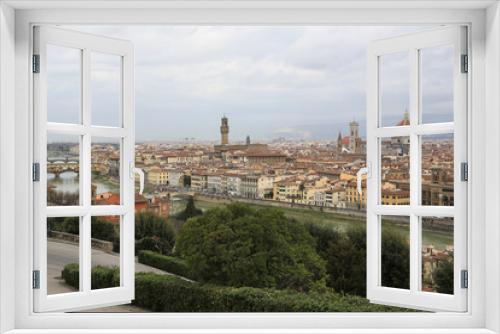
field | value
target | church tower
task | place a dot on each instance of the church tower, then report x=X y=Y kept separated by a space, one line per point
x=353 y=136
x=224 y=131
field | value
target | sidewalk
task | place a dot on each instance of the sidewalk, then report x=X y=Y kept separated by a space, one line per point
x=61 y=253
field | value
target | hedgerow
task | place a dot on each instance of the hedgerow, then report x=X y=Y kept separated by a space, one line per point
x=101 y=277
x=165 y=293
x=166 y=263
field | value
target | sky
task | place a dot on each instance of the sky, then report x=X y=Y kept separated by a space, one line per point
x=297 y=82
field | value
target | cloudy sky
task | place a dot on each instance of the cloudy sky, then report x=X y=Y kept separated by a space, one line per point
x=294 y=82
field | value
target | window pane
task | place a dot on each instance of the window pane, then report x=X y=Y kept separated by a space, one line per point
x=394 y=83
x=63 y=252
x=106 y=89
x=437 y=170
x=105 y=171
x=437 y=255
x=63 y=84
x=63 y=169
x=395 y=171
x=105 y=234
x=395 y=260
x=436 y=79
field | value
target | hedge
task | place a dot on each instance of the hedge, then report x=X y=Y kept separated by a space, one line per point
x=71 y=275
x=165 y=293
x=170 y=264
x=102 y=277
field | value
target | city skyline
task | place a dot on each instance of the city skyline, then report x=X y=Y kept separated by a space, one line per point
x=298 y=83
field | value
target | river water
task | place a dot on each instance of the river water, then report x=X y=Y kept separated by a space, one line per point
x=69 y=182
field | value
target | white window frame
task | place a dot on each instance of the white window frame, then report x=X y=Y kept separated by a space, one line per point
x=411 y=44
x=85 y=297
x=483 y=121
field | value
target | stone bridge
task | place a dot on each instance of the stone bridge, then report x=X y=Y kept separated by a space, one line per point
x=60 y=167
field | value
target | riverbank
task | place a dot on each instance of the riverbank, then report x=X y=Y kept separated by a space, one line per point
x=439 y=239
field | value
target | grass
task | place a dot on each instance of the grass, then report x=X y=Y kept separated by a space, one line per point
x=440 y=239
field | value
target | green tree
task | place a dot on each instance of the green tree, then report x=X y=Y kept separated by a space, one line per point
x=345 y=256
x=154 y=233
x=443 y=276
x=71 y=225
x=240 y=246
x=190 y=211
x=395 y=259
x=346 y=262
x=64 y=224
x=103 y=230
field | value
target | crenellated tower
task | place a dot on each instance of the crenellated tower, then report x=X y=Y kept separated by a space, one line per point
x=224 y=131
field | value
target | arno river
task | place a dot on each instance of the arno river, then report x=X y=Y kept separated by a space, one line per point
x=69 y=182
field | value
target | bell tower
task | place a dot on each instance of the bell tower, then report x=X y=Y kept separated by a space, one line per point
x=353 y=136
x=224 y=131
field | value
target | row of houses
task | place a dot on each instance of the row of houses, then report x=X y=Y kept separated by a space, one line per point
x=337 y=189
x=319 y=189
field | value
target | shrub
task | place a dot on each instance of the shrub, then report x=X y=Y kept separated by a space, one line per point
x=70 y=274
x=154 y=233
x=146 y=243
x=103 y=230
x=169 y=264
x=165 y=293
x=162 y=293
x=105 y=277
x=101 y=277
x=100 y=229
x=240 y=246
x=64 y=224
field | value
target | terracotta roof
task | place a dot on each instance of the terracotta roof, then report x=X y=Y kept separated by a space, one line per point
x=265 y=154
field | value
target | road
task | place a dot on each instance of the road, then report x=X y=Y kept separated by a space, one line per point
x=60 y=253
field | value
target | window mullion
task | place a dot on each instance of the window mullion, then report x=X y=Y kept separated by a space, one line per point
x=127 y=157
x=414 y=170
x=85 y=172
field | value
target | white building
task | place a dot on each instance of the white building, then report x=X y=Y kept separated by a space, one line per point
x=214 y=183
x=233 y=184
x=265 y=187
x=175 y=178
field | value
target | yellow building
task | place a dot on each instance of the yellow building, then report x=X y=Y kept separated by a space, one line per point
x=157 y=176
x=353 y=198
x=395 y=197
x=288 y=190
x=347 y=177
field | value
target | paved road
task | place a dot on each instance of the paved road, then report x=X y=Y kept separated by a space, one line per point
x=61 y=253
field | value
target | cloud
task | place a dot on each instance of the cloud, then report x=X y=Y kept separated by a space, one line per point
x=264 y=78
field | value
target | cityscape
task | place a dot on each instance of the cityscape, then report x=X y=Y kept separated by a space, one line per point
x=250 y=139
x=309 y=175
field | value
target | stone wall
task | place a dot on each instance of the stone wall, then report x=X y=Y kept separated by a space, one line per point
x=105 y=246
